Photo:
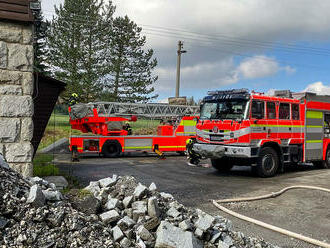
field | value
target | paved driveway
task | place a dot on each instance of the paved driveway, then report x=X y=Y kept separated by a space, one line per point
x=302 y=211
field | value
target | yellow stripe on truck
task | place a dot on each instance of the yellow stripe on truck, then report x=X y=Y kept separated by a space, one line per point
x=314 y=115
x=188 y=123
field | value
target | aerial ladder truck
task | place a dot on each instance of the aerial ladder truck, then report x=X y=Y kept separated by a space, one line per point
x=109 y=136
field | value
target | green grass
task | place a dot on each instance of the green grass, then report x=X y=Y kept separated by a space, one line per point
x=43 y=167
x=60 y=130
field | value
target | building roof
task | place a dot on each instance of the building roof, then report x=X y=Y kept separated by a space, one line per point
x=16 y=10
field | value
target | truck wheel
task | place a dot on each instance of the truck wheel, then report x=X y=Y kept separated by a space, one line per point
x=111 y=149
x=324 y=164
x=268 y=162
x=222 y=164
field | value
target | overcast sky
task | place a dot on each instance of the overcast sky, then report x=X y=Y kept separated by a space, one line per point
x=255 y=44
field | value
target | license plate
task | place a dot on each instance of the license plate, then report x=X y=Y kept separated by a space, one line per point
x=216 y=138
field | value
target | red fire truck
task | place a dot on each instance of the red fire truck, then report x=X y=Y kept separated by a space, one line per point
x=238 y=127
x=108 y=135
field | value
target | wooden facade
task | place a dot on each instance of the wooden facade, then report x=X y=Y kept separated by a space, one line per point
x=16 y=10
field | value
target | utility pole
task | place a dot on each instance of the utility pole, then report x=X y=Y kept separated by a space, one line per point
x=180 y=51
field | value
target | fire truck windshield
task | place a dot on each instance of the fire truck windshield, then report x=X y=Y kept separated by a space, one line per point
x=226 y=109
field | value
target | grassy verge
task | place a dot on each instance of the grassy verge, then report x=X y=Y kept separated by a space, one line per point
x=43 y=167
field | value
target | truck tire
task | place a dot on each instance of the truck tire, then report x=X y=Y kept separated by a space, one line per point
x=222 y=164
x=111 y=149
x=324 y=164
x=267 y=163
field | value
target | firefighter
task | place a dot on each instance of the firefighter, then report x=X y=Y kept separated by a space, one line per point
x=128 y=128
x=73 y=99
x=192 y=156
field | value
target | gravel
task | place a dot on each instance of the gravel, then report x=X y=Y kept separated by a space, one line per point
x=127 y=214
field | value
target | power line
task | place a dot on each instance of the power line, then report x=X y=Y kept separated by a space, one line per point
x=162 y=33
x=265 y=44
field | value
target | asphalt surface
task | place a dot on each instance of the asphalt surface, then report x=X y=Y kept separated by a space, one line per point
x=303 y=211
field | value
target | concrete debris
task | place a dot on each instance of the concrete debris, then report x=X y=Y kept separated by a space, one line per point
x=119 y=212
x=153 y=208
x=59 y=181
x=140 y=191
x=169 y=235
x=93 y=187
x=172 y=212
x=52 y=195
x=36 y=197
x=3 y=162
x=110 y=216
x=107 y=182
x=112 y=204
x=88 y=204
x=152 y=187
x=127 y=201
x=117 y=234
x=144 y=234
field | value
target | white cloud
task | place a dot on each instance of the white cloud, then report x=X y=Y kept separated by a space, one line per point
x=257 y=67
x=261 y=66
x=318 y=88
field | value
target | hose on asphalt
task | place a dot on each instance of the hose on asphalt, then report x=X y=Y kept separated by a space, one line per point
x=266 y=225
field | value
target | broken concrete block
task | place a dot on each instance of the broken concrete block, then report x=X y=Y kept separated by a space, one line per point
x=93 y=187
x=140 y=191
x=112 y=203
x=125 y=243
x=144 y=234
x=166 y=196
x=139 y=209
x=152 y=223
x=152 y=187
x=110 y=216
x=88 y=205
x=59 y=181
x=172 y=212
x=36 y=197
x=222 y=244
x=215 y=237
x=127 y=201
x=153 y=208
x=199 y=233
x=51 y=195
x=185 y=225
x=170 y=236
x=205 y=221
x=107 y=182
x=126 y=223
x=117 y=234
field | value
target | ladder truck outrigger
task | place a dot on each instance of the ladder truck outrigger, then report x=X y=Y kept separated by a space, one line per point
x=238 y=127
x=108 y=135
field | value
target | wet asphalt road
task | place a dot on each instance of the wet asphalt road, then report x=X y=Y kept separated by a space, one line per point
x=301 y=211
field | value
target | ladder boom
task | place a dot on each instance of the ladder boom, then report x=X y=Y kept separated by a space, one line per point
x=147 y=110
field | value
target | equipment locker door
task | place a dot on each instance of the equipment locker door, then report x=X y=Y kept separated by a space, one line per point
x=314 y=135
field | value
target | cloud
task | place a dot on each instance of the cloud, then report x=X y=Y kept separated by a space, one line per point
x=318 y=88
x=257 y=67
x=261 y=66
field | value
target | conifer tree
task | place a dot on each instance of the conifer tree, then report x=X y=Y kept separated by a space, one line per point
x=130 y=75
x=77 y=42
x=40 y=45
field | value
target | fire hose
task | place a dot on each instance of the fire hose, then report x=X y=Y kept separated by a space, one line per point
x=266 y=225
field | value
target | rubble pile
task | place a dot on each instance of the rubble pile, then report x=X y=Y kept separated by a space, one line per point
x=113 y=212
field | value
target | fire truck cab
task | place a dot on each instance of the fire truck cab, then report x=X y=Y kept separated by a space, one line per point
x=238 y=127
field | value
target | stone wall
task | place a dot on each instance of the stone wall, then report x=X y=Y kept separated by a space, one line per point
x=16 y=89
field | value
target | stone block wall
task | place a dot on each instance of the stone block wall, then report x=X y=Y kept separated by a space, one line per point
x=16 y=89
